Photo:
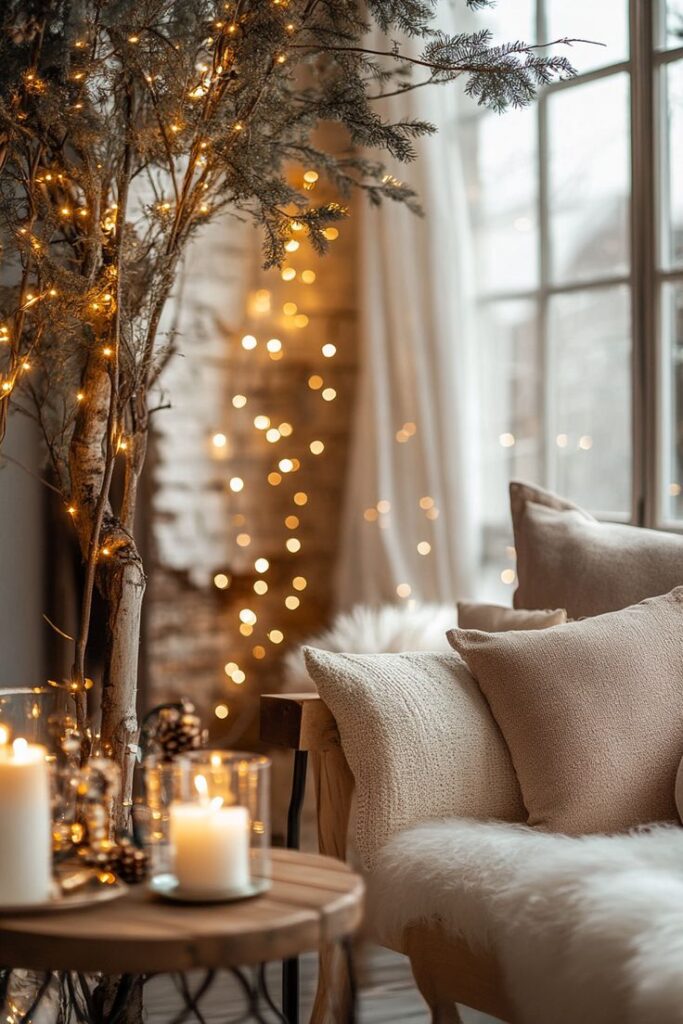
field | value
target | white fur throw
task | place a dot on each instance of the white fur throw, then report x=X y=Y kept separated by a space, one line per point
x=388 y=629
x=587 y=930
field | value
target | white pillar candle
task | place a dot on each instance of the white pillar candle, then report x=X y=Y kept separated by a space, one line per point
x=210 y=846
x=25 y=824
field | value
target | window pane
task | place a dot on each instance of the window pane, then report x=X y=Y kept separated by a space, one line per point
x=512 y=19
x=589 y=179
x=500 y=160
x=604 y=22
x=674 y=24
x=672 y=403
x=672 y=191
x=589 y=398
x=509 y=427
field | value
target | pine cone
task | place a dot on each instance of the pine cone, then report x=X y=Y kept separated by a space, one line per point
x=103 y=856
x=133 y=863
x=178 y=730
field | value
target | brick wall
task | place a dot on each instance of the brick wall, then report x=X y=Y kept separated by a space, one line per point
x=201 y=530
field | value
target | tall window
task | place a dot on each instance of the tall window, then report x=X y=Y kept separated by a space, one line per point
x=577 y=209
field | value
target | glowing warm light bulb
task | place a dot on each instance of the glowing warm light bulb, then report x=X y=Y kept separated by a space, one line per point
x=274 y=345
x=317 y=447
x=292 y=245
x=329 y=395
x=507 y=440
x=310 y=177
x=315 y=382
x=243 y=540
x=508 y=576
x=261 y=422
x=236 y=484
x=292 y=602
x=221 y=580
x=424 y=547
x=239 y=401
x=299 y=582
x=371 y=515
x=293 y=544
x=276 y=636
x=426 y=503
x=249 y=342
x=231 y=668
x=274 y=479
x=585 y=442
x=291 y=522
x=404 y=590
x=300 y=498
x=331 y=234
x=288 y=274
x=562 y=440
x=221 y=711
x=262 y=565
x=308 y=276
x=290 y=308
x=238 y=677
x=259 y=652
x=286 y=429
x=329 y=350
x=273 y=435
x=219 y=440
x=260 y=587
x=383 y=506
x=248 y=616
x=285 y=465
x=4 y=735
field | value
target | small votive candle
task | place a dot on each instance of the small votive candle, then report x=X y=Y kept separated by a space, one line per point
x=210 y=844
x=25 y=823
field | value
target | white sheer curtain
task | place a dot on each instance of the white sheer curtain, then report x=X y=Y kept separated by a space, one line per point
x=417 y=368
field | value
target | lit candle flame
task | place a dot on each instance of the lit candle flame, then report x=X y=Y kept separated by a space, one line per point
x=4 y=735
x=20 y=748
x=202 y=787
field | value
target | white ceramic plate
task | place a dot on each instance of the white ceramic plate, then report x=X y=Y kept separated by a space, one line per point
x=167 y=887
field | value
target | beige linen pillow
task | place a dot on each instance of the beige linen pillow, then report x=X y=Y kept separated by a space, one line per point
x=592 y=713
x=496 y=618
x=567 y=559
x=419 y=739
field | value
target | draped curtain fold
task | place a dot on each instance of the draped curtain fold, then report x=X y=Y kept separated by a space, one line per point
x=417 y=370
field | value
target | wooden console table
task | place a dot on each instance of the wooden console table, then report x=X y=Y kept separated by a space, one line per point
x=315 y=904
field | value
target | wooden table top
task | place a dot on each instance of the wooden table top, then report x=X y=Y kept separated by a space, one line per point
x=313 y=900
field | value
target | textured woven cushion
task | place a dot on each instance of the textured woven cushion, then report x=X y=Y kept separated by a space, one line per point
x=496 y=618
x=592 y=713
x=567 y=559
x=419 y=739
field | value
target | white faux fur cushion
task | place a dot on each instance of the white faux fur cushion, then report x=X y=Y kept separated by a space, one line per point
x=365 y=630
x=586 y=929
x=419 y=739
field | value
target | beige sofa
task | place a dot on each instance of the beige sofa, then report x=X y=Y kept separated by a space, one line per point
x=446 y=971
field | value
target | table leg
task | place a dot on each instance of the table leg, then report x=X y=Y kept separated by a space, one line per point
x=290 y=968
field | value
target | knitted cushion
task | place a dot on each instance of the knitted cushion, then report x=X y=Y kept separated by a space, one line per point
x=592 y=713
x=567 y=559
x=419 y=739
x=496 y=618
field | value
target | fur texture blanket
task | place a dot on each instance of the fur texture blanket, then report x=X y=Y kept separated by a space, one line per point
x=587 y=930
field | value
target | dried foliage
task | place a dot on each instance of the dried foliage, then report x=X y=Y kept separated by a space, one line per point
x=124 y=126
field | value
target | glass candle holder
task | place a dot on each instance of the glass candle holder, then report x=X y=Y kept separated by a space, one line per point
x=163 y=783
x=34 y=713
x=219 y=825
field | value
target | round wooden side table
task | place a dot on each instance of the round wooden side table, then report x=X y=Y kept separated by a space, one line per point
x=314 y=904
